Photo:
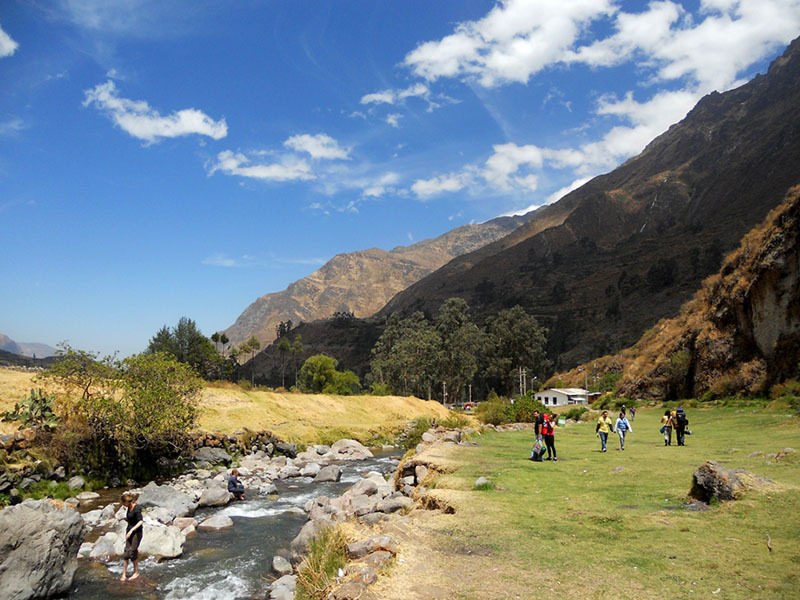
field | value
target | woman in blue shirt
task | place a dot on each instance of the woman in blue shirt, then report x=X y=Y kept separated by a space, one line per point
x=622 y=426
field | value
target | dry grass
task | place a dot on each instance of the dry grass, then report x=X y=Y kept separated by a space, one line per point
x=14 y=386
x=299 y=417
x=307 y=417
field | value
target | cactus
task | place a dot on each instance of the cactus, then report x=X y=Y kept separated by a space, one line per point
x=36 y=410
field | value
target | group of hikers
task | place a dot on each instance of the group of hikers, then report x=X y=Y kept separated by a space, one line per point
x=544 y=447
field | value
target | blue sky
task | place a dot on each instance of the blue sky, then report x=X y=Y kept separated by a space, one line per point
x=161 y=159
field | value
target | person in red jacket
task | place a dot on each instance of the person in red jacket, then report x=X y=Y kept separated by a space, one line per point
x=548 y=435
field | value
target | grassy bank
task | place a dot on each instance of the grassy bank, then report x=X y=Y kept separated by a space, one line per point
x=228 y=408
x=596 y=525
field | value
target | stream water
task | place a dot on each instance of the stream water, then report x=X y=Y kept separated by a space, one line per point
x=231 y=564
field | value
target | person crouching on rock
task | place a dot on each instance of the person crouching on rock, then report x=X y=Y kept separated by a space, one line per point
x=133 y=535
x=235 y=486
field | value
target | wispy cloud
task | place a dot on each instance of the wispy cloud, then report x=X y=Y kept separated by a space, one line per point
x=318 y=146
x=236 y=163
x=391 y=96
x=7 y=45
x=137 y=118
x=11 y=127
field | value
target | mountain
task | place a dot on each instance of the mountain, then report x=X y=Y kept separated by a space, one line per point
x=738 y=334
x=361 y=282
x=611 y=258
x=607 y=261
x=26 y=349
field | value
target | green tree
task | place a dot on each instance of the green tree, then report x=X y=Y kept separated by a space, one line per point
x=252 y=346
x=319 y=375
x=83 y=372
x=284 y=354
x=297 y=352
x=188 y=345
x=462 y=342
x=514 y=340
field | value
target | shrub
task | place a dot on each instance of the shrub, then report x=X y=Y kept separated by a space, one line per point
x=327 y=553
x=380 y=389
x=788 y=391
x=494 y=411
x=576 y=413
x=455 y=421
x=522 y=409
x=37 y=411
x=414 y=435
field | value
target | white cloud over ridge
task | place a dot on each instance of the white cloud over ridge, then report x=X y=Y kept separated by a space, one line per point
x=517 y=39
x=137 y=118
x=7 y=45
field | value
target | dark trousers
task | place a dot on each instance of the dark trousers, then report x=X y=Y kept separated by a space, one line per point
x=680 y=433
x=550 y=442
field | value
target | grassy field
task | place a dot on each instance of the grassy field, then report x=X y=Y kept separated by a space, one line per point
x=596 y=525
x=228 y=408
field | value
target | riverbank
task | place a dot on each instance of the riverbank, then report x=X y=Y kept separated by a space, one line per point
x=595 y=525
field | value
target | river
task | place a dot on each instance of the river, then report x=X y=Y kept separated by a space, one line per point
x=231 y=564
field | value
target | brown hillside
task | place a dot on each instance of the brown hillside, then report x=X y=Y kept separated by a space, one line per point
x=738 y=334
x=361 y=282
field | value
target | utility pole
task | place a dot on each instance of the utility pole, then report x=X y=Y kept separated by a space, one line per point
x=444 y=392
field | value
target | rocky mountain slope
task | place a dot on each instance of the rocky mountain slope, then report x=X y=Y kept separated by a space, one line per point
x=738 y=334
x=606 y=262
x=361 y=282
x=629 y=247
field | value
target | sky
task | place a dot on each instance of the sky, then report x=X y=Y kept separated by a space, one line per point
x=168 y=159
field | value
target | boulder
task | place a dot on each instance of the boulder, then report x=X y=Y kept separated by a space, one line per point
x=283 y=588
x=216 y=522
x=287 y=449
x=390 y=505
x=162 y=541
x=212 y=456
x=184 y=522
x=350 y=450
x=309 y=531
x=76 y=483
x=215 y=496
x=364 y=547
x=166 y=496
x=281 y=566
x=329 y=473
x=713 y=481
x=87 y=497
x=108 y=546
x=310 y=470
x=365 y=486
x=38 y=549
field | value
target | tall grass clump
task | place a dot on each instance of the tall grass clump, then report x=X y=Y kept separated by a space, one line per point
x=327 y=553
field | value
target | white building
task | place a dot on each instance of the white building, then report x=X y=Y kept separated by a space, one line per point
x=562 y=397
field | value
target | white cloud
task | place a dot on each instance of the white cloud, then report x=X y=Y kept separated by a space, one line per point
x=11 y=127
x=506 y=161
x=220 y=260
x=7 y=45
x=517 y=39
x=137 y=118
x=453 y=182
x=393 y=119
x=390 y=96
x=317 y=146
x=291 y=169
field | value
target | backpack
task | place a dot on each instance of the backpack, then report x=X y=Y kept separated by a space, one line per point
x=682 y=420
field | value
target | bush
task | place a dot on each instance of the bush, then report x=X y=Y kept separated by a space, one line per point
x=327 y=553
x=414 y=435
x=575 y=413
x=495 y=411
x=455 y=421
x=380 y=389
x=788 y=391
x=522 y=409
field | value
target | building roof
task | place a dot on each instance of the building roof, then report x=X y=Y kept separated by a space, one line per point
x=568 y=391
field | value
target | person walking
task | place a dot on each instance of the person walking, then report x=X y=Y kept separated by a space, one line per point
x=622 y=426
x=548 y=435
x=666 y=428
x=604 y=426
x=538 y=450
x=680 y=426
x=633 y=413
x=133 y=535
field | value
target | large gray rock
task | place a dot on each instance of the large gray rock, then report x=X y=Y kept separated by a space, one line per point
x=212 y=456
x=38 y=549
x=76 y=483
x=713 y=481
x=216 y=522
x=162 y=542
x=281 y=566
x=329 y=473
x=368 y=546
x=283 y=588
x=287 y=449
x=215 y=495
x=166 y=496
x=350 y=450
x=309 y=531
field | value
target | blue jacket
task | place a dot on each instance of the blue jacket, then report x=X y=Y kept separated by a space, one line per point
x=623 y=425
